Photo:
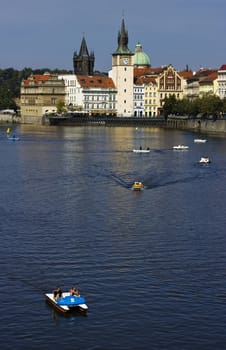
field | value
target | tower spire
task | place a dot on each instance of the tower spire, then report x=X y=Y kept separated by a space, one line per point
x=83 y=62
x=123 y=40
x=83 y=49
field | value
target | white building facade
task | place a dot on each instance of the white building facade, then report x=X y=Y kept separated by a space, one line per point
x=122 y=74
x=222 y=81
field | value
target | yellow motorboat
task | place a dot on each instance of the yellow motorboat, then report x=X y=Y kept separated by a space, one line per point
x=137 y=186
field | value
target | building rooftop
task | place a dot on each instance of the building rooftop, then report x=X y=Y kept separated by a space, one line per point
x=140 y=57
x=95 y=81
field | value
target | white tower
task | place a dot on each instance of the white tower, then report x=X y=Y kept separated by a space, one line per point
x=122 y=74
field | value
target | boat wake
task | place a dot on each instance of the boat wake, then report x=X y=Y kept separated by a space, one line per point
x=153 y=184
x=118 y=180
x=154 y=179
x=172 y=178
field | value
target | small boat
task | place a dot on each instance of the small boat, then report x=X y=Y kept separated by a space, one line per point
x=67 y=302
x=204 y=160
x=13 y=138
x=137 y=186
x=200 y=140
x=141 y=150
x=180 y=147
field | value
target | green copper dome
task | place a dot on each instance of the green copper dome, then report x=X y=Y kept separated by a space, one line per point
x=141 y=58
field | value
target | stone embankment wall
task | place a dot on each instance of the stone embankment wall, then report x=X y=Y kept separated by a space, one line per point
x=194 y=125
x=9 y=118
x=198 y=125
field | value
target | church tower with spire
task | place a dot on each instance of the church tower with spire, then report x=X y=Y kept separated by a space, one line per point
x=83 y=62
x=122 y=74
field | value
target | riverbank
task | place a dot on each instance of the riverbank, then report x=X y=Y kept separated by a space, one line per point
x=10 y=118
x=216 y=126
x=180 y=123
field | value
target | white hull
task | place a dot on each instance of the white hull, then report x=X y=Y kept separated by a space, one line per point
x=64 y=308
x=199 y=140
x=180 y=147
x=141 y=150
x=204 y=160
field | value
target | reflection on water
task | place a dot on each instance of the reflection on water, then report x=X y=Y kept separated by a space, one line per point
x=151 y=264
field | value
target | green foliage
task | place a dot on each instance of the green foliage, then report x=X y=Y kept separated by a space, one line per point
x=61 y=107
x=10 y=81
x=169 y=105
x=206 y=105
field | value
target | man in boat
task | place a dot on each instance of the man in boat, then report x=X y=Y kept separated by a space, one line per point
x=74 y=292
x=57 y=293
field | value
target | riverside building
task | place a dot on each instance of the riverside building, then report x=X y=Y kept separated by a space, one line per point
x=131 y=88
x=39 y=95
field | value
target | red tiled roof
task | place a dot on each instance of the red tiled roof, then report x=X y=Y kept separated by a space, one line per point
x=186 y=74
x=36 y=78
x=95 y=81
x=223 y=67
x=138 y=72
x=145 y=80
x=209 y=79
x=204 y=72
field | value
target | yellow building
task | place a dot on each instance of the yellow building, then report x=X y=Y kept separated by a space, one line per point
x=209 y=85
x=39 y=95
x=159 y=83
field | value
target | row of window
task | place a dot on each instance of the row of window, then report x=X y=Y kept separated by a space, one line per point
x=70 y=82
x=33 y=101
x=89 y=106
x=222 y=77
x=138 y=97
x=150 y=94
x=100 y=98
x=150 y=102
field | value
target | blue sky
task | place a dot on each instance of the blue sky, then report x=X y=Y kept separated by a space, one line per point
x=45 y=33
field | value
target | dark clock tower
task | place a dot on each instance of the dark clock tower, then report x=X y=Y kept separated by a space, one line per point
x=83 y=62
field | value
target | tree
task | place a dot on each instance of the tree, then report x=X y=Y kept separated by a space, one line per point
x=61 y=107
x=169 y=105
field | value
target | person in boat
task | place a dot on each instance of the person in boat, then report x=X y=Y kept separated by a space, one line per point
x=140 y=147
x=74 y=292
x=57 y=293
x=148 y=149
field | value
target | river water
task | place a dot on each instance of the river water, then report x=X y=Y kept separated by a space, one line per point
x=151 y=265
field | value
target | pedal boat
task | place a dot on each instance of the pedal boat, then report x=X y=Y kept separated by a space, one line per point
x=67 y=303
x=141 y=150
x=137 y=186
x=204 y=160
x=200 y=140
x=13 y=138
x=180 y=147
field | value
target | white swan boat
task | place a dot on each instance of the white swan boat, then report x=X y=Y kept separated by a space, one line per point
x=67 y=302
x=200 y=140
x=204 y=160
x=180 y=147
